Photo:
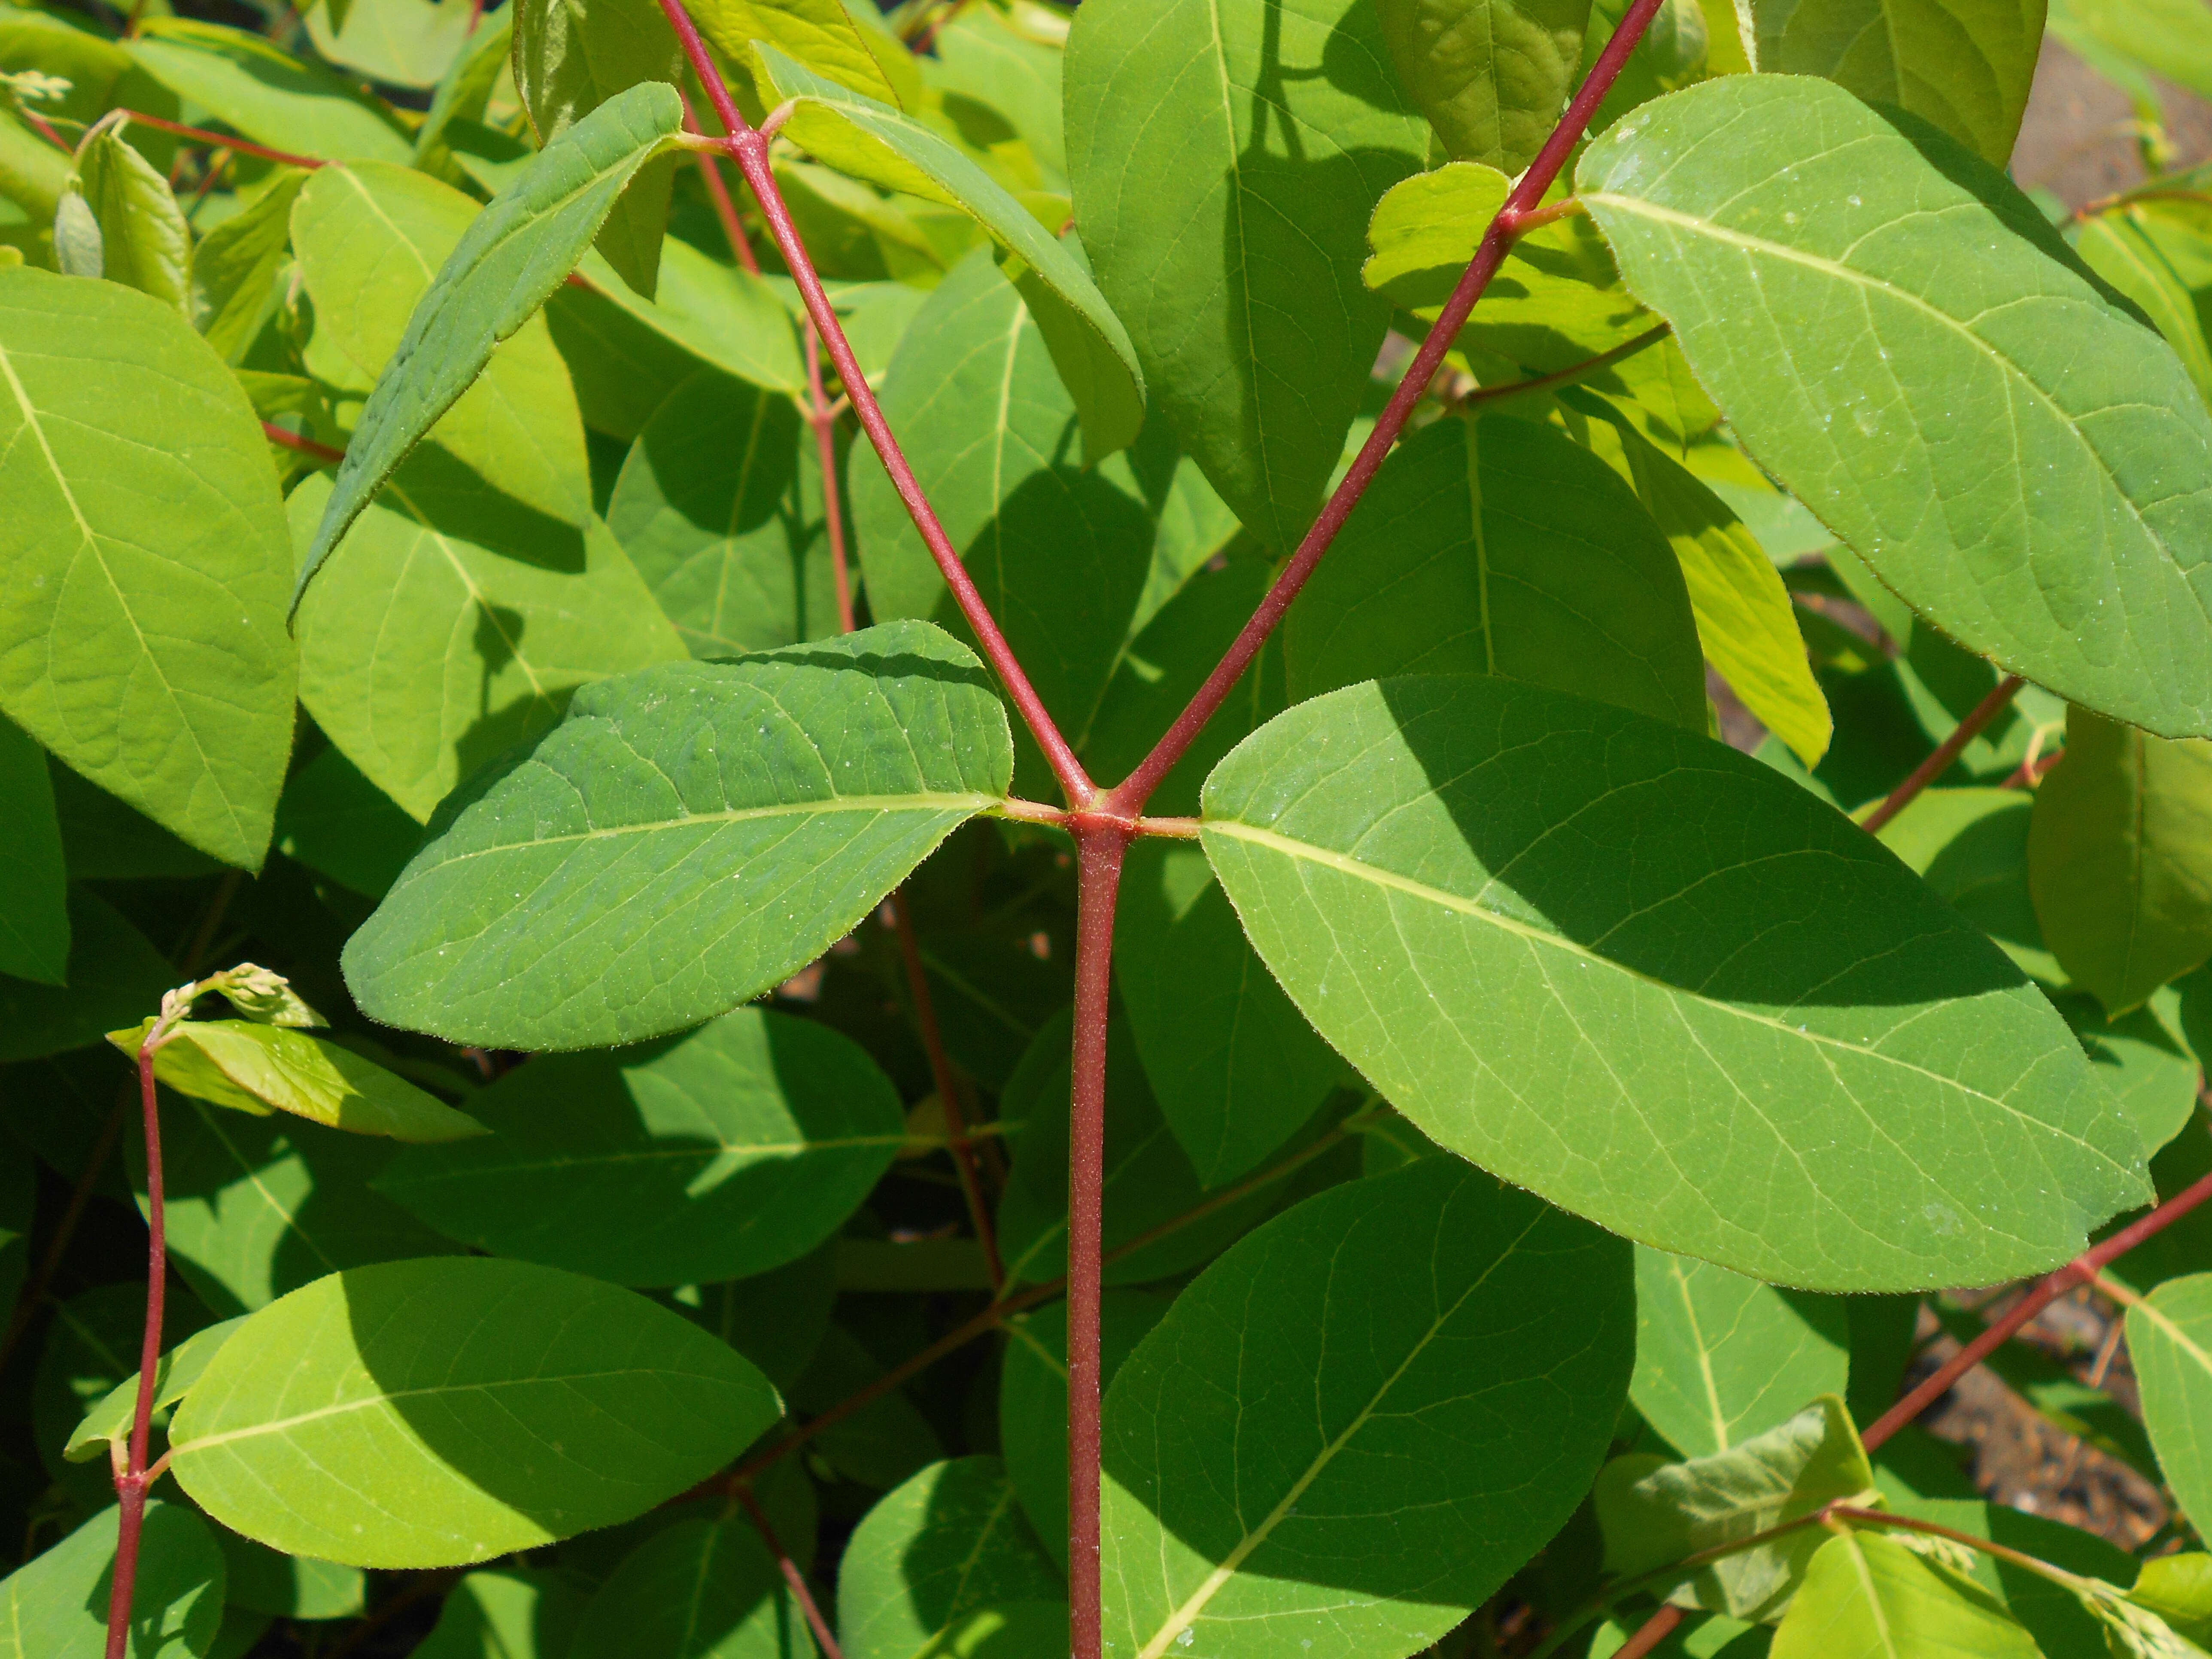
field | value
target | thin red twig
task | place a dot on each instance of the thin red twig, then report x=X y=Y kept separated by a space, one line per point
x=791 y=1576
x=710 y=170
x=825 y=424
x=277 y=434
x=1947 y=751
x=948 y=1090
x=225 y=140
x=132 y=1482
x=39 y=125
x=1483 y=394
x=1129 y=797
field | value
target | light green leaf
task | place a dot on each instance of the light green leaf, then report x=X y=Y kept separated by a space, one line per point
x=2051 y=1613
x=717 y=1155
x=459 y=624
x=1655 y=1513
x=2066 y=544
x=983 y=60
x=1325 y=1441
x=1720 y=1358
x=506 y=1613
x=1869 y=1597
x=2179 y=1589
x=109 y=1423
x=260 y=1068
x=1236 y=1069
x=2124 y=245
x=336 y=822
x=78 y=249
x=372 y=239
x=55 y=1607
x=440 y=1412
x=719 y=507
x=514 y=253
x=467 y=85
x=698 y=1590
x=570 y=56
x=949 y=1543
x=820 y=35
x=233 y=287
x=1437 y=870
x=2119 y=859
x=114 y=974
x=2169 y=1332
x=1235 y=267
x=1491 y=75
x=34 y=924
x=1746 y=622
x=259 y=1580
x=2173 y=38
x=1500 y=547
x=32 y=173
x=401 y=42
x=687 y=837
x=871 y=141
x=720 y=315
x=264 y=93
x=144 y=241
x=142 y=635
x=1964 y=65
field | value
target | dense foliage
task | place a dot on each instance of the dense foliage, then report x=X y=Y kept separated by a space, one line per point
x=1641 y=618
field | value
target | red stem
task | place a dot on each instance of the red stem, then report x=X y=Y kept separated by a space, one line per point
x=224 y=141
x=1128 y=798
x=725 y=208
x=1947 y=751
x=277 y=434
x=751 y=150
x=1099 y=851
x=825 y=438
x=791 y=1576
x=131 y=1484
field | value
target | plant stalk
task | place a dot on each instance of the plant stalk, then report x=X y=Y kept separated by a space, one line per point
x=710 y=172
x=293 y=441
x=132 y=1482
x=223 y=140
x=791 y=1576
x=1485 y=394
x=824 y=422
x=1947 y=751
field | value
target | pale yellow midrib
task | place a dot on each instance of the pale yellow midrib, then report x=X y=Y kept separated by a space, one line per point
x=2174 y=1333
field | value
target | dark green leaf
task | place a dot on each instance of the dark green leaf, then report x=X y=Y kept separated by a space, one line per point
x=1491 y=75
x=882 y=1444
x=114 y=976
x=109 y=1422
x=289 y=1586
x=57 y=1607
x=1970 y=846
x=34 y=927
x=336 y=822
x=698 y=1590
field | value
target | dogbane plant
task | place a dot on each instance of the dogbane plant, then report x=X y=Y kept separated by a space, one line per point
x=1253 y=827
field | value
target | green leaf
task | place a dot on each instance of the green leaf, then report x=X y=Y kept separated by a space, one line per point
x=260 y=1068
x=1963 y=65
x=1236 y=1069
x=1325 y=1441
x=871 y=141
x=113 y=977
x=234 y=267
x=264 y=93
x=1869 y=1597
x=717 y=1155
x=372 y=239
x=1720 y=1358
x=1491 y=75
x=145 y=242
x=91 y=1343
x=777 y=1319
x=467 y=85
x=506 y=1613
x=719 y=315
x=2169 y=1332
x=949 y=1543
x=1746 y=622
x=698 y=1590
x=820 y=35
x=741 y=816
x=2179 y=1589
x=260 y=1580
x=1655 y=1513
x=513 y=253
x=141 y=635
x=1223 y=180
x=55 y=1607
x=19 y=1203
x=2173 y=38
x=2124 y=245
x=2143 y=1057
x=428 y=1413
x=336 y=822
x=984 y=59
x=401 y=42
x=34 y=924
x=34 y=174
x=882 y=1444
x=1439 y=869
x=459 y=624
x=719 y=507
x=570 y=56
x=1033 y=1401
x=1500 y=547
x=1997 y=418
x=2119 y=859
x=1970 y=846
x=109 y=1422
x=2051 y=1613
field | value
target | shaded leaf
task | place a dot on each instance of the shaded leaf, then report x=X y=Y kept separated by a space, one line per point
x=506 y=1613
x=34 y=924
x=109 y=1422
x=1491 y=75
x=114 y=976
x=234 y=270
x=55 y=1607
x=717 y=313
x=698 y=1590
x=1970 y=846
x=336 y=822
x=949 y=1543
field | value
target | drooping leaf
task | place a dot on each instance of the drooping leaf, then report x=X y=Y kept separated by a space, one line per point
x=264 y=93
x=870 y=140
x=401 y=42
x=2119 y=859
x=739 y=816
x=335 y=821
x=34 y=925
x=1721 y=1359
x=1500 y=547
x=141 y=633
x=717 y=1155
x=440 y=1412
x=944 y=1546
x=1234 y=264
x=55 y=1607
x=1491 y=75
x=1867 y=1596
x=514 y=253
x=1324 y=1441
x=1236 y=1069
x=2022 y=461
x=699 y=1589
x=819 y=34
x=2169 y=1334
x=114 y=974
x=459 y=624
x=1438 y=871
x=144 y=240
x=1655 y=1513
x=109 y=1422
x=570 y=56
x=234 y=267
x=719 y=507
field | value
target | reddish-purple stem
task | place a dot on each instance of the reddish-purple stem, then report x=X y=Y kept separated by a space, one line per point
x=1128 y=798
x=792 y=1574
x=130 y=1483
x=223 y=140
x=719 y=192
x=833 y=511
x=277 y=434
x=1947 y=751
